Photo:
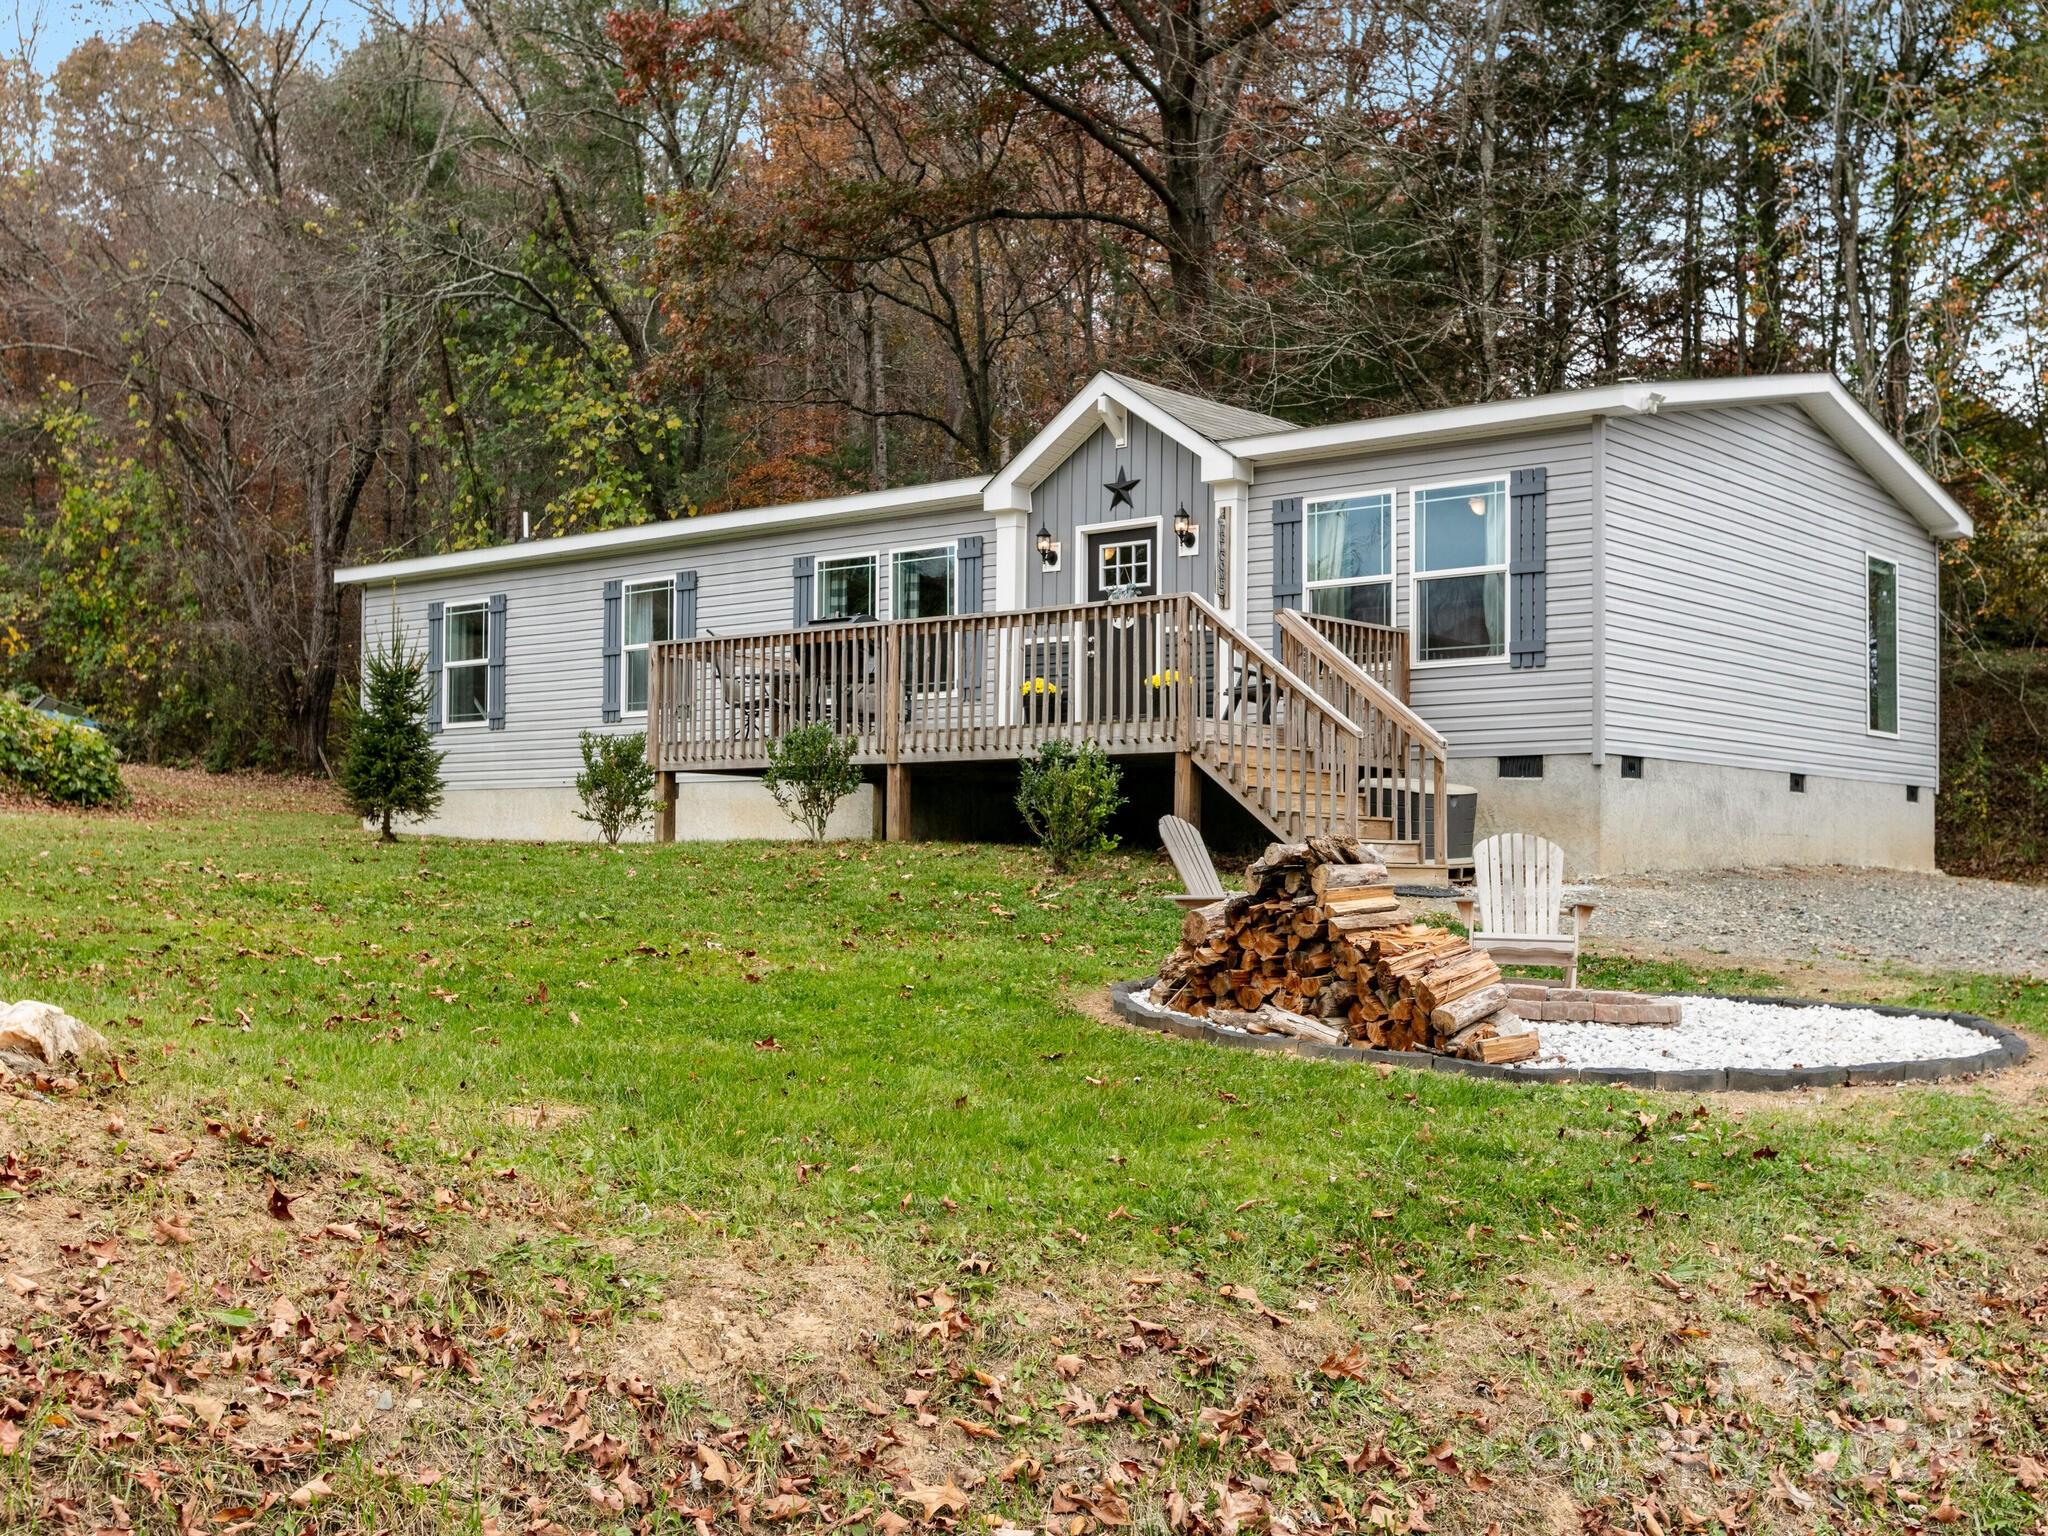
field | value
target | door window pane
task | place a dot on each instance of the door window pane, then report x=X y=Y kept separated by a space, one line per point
x=1122 y=564
x=1884 y=646
x=1460 y=618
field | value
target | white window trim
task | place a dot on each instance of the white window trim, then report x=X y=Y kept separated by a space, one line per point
x=448 y=608
x=626 y=591
x=1083 y=532
x=950 y=546
x=818 y=564
x=1871 y=556
x=1392 y=579
x=1416 y=575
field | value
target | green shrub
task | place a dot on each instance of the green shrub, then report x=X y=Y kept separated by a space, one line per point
x=1067 y=796
x=58 y=760
x=391 y=767
x=617 y=784
x=810 y=771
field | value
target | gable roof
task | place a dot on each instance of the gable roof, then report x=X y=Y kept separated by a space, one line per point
x=1213 y=419
x=1820 y=395
x=1231 y=442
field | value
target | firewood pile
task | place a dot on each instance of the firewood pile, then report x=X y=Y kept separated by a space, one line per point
x=1318 y=947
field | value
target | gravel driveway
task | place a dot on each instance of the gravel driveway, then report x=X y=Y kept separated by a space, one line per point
x=1927 y=922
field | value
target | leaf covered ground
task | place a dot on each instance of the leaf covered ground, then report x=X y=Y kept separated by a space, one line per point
x=760 y=1188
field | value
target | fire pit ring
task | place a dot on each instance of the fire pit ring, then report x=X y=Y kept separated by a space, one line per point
x=2005 y=1048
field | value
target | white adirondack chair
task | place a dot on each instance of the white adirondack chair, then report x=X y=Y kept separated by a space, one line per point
x=1516 y=907
x=1191 y=862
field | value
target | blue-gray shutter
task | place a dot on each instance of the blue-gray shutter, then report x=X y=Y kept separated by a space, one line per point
x=433 y=667
x=1286 y=559
x=967 y=599
x=1528 y=495
x=494 y=640
x=803 y=572
x=967 y=575
x=614 y=635
x=686 y=606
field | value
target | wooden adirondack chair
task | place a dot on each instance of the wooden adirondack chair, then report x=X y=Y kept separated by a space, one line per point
x=1518 y=894
x=1191 y=862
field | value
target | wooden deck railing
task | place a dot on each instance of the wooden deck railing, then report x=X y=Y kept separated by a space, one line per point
x=1379 y=650
x=1406 y=763
x=1155 y=674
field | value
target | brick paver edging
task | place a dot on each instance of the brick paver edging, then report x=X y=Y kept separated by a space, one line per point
x=2010 y=1050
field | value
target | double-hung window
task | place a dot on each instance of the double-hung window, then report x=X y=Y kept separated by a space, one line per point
x=1461 y=571
x=921 y=586
x=1350 y=567
x=846 y=588
x=1882 y=582
x=921 y=582
x=650 y=615
x=466 y=662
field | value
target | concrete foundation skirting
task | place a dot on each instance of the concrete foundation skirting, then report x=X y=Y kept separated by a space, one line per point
x=708 y=809
x=2011 y=1049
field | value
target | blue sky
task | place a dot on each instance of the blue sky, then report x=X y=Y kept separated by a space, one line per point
x=66 y=23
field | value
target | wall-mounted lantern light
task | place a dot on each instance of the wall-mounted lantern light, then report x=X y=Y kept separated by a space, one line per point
x=1048 y=548
x=1184 y=528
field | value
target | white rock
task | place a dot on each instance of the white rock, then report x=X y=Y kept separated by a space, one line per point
x=1721 y=1032
x=44 y=1035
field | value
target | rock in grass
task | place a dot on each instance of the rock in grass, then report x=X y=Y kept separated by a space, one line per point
x=38 y=1036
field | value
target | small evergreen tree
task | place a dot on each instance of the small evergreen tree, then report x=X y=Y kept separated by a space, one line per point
x=391 y=767
x=617 y=784
x=810 y=771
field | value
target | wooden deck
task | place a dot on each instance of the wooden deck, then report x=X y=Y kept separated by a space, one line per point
x=1311 y=740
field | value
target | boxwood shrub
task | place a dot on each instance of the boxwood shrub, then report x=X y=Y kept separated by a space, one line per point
x=55 y=759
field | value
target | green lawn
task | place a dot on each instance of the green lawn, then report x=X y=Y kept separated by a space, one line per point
x=900 y=1049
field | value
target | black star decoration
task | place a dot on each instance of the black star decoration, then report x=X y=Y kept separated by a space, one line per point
x=1120 y=489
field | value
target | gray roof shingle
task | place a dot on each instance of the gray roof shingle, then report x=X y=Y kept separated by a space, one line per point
x=1211 y=418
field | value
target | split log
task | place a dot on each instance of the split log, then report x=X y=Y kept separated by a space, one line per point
x=1475 y=1005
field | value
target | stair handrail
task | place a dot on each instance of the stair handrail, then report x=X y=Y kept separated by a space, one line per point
x=1355 y=675
x=1292 y=679
x=1404 y=721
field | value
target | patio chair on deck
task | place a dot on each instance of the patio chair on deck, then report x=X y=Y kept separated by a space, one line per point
x=1191 y=862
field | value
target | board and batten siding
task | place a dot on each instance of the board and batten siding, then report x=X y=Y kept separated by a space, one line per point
x=554 y=627
x=1071 y=499
x=1737 y=622
x=1482 y=708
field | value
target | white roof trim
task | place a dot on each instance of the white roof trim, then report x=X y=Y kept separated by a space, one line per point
x=860 y=507
x=1010 y=489
x=1820 y=395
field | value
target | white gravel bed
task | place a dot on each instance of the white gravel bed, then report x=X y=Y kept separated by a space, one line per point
x=1719 y=1032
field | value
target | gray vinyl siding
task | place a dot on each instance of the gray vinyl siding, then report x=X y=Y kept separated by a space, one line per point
x=1071 y=499
x=554 y=628
x=1486 y=707
x=1736 y=608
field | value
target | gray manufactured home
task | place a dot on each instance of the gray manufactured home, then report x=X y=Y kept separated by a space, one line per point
x=1668 y=626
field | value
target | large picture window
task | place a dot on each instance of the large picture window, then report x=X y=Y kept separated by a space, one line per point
x=650 y=616
x=1461 y=571
x=921 y=582
x=846 y=588
x=1350 y=565
x=465 y=662
x=1883 y=585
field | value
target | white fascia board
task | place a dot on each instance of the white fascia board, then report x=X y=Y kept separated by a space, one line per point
x=1009 y=490
x=1820 y=395
x=863 y=506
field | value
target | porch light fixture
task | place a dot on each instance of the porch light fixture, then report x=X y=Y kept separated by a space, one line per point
x=1048 y=548
x=1184 y=528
